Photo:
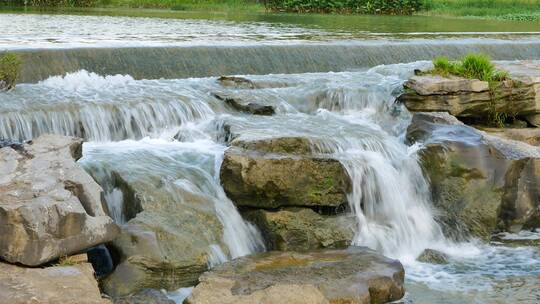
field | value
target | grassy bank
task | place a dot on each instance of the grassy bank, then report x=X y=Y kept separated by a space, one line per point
x=519 y=10
x=194 y=5
x=177 y=5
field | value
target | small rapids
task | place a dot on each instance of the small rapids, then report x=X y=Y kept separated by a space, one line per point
x=168 y=138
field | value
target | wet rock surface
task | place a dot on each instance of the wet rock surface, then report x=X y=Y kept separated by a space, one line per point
x=49 y=206
x=57 y=284
x=146 y=296
x=354 y=275
x=239 y=82
x=521 y=198
x=432 y=256
x=474 y=177
x=303 y=229
x=165 y=245
x=269 y=173
x=530 y=136
x=241 y=105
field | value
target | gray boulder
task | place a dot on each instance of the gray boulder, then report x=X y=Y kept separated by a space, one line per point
x=49 y=206
x=166 y=242
x=58 y=284
x=480 y=183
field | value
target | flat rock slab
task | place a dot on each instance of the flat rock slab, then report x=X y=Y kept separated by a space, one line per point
x=58 y=284
x=433 y=84
x=530 y=136
x=519 y=95
x=49 y=206
x=527 y=71
x=354 y=275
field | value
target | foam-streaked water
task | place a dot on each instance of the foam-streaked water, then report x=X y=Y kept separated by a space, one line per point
x=152 y=48
x=350 y=115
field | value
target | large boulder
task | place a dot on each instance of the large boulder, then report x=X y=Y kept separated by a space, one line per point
x=275 y=172
x=166 y=245
x=49 y=206
x=58 y=284
x=472 y=98
x=521 y=199
x=354 y=275
x=303 y=229
x=473 y=176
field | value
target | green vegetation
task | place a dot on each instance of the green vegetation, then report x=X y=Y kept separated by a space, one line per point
x=518 y=10
x=472 y=66
x=218 y=5
x=9 y=70
x=392 y=7
x=514 y=10
x=478 y=66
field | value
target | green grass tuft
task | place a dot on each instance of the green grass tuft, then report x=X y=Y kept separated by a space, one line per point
x=478 y=66
x=10 y=65
x=517 y=10
x=472 y=66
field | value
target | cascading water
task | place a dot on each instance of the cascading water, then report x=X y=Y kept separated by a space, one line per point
x=167 y=137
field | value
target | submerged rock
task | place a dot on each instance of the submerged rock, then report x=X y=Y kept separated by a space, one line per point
x=49 y=206
x=244 y=106
x=57 y=284
x=146 y=296
x=166 y=245
x=276 y=172
x=354 y=275
x=469 y=175
x=303 y=229
x=432 y=256
x=238 y=82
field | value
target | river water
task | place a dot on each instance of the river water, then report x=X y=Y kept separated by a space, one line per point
x=171 y=132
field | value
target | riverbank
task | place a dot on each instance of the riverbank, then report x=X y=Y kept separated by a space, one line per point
x=518 y=10
x=514 y=10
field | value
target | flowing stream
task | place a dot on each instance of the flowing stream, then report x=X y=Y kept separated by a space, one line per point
x=170 y=134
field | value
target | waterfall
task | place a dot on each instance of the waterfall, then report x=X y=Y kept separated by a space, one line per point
x=172 y=176
x=98 y=108
x=203 y=61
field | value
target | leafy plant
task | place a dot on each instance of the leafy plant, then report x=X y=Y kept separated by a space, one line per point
x=10 y=64
x=392 y=7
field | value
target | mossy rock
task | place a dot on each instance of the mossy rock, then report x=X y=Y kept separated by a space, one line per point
x=278 y=172
x=303 y=229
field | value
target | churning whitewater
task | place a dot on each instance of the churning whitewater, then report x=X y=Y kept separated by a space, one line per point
x=168 y=137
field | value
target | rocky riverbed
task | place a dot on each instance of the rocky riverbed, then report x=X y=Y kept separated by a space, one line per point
x=297 y=188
